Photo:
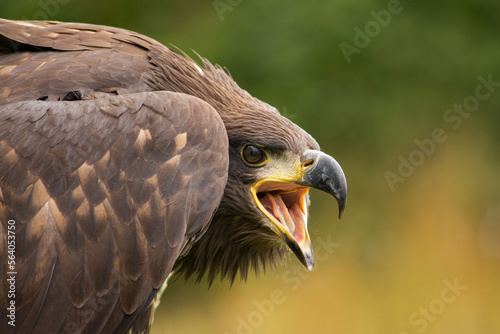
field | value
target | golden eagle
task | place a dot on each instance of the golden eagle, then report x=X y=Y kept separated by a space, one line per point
x=121 y=162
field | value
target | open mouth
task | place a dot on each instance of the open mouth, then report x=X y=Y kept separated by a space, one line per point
x=285 y=205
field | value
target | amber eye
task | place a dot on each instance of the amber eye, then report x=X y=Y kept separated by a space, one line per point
x=253 y=155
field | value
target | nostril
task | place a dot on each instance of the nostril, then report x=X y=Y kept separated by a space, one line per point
x=309 y=159
x=308 y=164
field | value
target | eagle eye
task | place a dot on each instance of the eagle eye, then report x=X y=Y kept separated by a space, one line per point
x=253 y=155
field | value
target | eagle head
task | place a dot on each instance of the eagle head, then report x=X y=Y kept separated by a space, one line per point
x=272 y=165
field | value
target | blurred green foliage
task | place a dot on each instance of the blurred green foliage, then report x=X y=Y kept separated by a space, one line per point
x=397 y=247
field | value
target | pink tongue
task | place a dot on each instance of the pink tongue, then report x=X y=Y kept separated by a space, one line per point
x=280 y=212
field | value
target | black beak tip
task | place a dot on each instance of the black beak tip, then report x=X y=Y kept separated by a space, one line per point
x=309 y=262
x=342 y=204
x=306 y=257
x=341 y=196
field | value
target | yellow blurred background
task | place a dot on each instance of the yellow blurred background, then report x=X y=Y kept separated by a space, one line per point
x=406 y=96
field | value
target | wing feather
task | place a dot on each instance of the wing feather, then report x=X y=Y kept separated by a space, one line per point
x=116 y=188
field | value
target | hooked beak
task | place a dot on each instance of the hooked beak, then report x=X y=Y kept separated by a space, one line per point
x=284 y=199
x=327 y=175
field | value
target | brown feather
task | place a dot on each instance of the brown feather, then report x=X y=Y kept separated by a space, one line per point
x=86 y=221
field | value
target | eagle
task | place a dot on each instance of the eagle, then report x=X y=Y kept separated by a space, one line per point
x=123 y=161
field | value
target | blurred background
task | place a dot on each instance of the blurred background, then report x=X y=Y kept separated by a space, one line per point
x=406 y=96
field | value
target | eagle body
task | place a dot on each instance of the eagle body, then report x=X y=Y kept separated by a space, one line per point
x=122 y=161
